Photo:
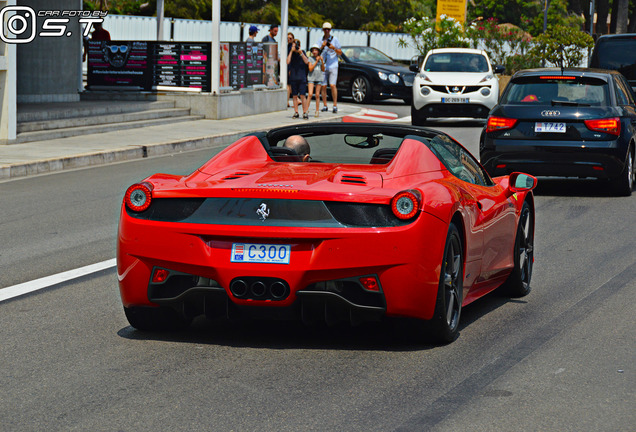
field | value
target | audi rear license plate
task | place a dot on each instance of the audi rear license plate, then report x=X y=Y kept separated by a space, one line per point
x=455 y=100
x=549 y=127
x=260 y=253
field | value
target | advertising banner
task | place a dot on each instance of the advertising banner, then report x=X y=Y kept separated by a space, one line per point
x=119 y=64
x=146 y=65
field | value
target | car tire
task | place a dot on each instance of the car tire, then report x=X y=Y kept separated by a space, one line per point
x=448 y=305
x=155 y=319
x=624 y=183
x=518 y=283
x=417 y=119
x=361 y=90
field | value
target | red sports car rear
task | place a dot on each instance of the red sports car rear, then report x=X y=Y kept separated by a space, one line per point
x=385 y=221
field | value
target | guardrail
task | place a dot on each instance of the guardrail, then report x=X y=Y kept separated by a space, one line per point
x=128 y=27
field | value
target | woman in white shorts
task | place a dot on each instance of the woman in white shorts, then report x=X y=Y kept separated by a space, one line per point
x=316 y=75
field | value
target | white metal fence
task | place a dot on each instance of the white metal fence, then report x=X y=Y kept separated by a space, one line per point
x=124 y=27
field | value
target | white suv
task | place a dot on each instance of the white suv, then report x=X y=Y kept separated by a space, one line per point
x=454 y=82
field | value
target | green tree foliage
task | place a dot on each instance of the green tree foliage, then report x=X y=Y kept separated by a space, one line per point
x=517 y=12
x=261 y=11
x=558 y=15
x=562 y=46
x=502 y=42
x=116 y=7
x=370 y=15
x=510 y=11
x=426 y=34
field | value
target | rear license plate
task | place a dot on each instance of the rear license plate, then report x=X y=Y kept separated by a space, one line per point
x=260 y=253
x=455 y=100
x=549 y=127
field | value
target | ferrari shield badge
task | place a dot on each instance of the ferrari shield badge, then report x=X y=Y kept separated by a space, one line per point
x=263 y=211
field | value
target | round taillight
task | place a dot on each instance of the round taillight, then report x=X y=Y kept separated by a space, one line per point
x=405 y=205
x=138 y=197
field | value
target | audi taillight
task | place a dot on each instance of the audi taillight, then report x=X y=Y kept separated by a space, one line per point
x=608 y=125
x=406 y=204
x=138 y=197
x=500 y=123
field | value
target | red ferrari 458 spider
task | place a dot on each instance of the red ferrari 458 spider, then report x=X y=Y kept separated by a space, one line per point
x=326 y=222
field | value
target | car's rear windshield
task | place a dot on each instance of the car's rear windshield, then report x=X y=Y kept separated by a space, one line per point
x=456 y=62
x=557 y=90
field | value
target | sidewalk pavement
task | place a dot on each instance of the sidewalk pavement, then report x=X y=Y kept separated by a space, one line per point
x=40 y=157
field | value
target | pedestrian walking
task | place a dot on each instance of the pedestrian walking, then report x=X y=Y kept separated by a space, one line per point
x=316 y=74
x=331 y=49
x=252 y=33
x=273 y=31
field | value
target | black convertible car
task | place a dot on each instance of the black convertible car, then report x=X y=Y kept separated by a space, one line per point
x=366 y=74
x=572 y=122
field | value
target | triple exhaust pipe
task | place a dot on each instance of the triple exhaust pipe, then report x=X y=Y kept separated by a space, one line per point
x=259 y=288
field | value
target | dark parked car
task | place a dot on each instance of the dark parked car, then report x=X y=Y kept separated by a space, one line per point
x=616 y=52
x=367 y=74
x=574 y=122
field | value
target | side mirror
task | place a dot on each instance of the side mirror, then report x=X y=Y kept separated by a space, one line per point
x=499 y=69
x=520 y=182
x=414 y=68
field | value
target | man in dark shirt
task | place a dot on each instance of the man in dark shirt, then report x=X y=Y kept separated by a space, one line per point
x=273 y=31
x=298 y=61
x=100 y=34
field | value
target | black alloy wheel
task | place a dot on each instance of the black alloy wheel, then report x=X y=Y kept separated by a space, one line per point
x=624 y=183
x=361 y=90
x=448 y=307
x=518 y=283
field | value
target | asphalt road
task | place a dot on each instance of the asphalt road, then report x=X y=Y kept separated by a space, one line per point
x=562 y=358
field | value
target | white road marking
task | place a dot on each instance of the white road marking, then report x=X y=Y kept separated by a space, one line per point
x=38 y=284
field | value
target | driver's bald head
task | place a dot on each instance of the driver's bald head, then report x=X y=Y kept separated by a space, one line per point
x=299 y=144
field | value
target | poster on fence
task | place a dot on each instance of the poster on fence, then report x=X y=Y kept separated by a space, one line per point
x=122 y=64
x=254 y=69
x=237 y=65
x=270 y=58
x=147 y=66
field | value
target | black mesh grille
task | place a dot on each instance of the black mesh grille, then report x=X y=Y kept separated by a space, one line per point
x=169 y=209
x=364 y=215
x=237 y=211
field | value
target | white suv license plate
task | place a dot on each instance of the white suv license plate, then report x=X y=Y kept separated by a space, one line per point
x=455 y=100
x=549 y=127
x=260 y=253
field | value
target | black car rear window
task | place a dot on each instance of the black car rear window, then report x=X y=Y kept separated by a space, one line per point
x=615 y=54
x=557 y=90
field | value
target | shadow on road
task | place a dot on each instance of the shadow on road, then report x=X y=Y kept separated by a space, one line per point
x=573 y=187
x=455 y=122
x=393 y=335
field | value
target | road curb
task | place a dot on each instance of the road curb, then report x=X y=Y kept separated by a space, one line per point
x=84 y=160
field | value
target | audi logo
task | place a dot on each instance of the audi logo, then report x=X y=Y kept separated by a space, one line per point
x=550 y=113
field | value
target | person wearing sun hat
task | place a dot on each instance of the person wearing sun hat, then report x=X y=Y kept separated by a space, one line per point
x=316 y=68
x=331 y=49
x=252 y=31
